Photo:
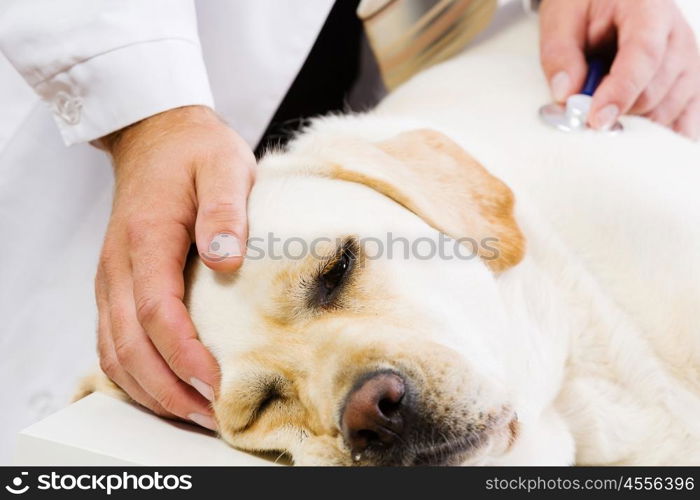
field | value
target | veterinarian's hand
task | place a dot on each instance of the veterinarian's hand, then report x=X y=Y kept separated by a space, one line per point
x=655 y=73
x=181 y=176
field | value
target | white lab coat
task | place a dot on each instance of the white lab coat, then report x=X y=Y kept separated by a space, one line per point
x=103 y=64
x=100 y=65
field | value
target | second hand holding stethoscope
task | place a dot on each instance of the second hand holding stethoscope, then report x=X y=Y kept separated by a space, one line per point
x=573 y=116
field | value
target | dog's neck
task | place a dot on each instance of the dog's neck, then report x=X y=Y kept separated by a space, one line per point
x=585 y=358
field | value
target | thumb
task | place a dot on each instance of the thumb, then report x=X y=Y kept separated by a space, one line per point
x=562 y=45
x=221 y=228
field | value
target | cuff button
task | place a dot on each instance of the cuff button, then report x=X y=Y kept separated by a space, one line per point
x=67 y=108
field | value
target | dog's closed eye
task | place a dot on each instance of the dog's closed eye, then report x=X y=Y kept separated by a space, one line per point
x=333 y=276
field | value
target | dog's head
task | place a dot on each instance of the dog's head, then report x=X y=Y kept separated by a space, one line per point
x=356 y=332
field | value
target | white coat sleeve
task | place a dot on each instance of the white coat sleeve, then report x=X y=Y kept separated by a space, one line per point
x=105 y=64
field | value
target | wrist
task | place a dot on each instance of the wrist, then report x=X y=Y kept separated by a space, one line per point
x=155 y=126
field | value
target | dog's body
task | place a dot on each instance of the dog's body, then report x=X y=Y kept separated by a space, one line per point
x=611 y=276
x=584 y=326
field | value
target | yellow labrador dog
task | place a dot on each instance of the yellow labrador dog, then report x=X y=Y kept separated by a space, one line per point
x=445 y=280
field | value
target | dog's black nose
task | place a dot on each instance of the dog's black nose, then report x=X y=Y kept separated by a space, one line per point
x=373 y=412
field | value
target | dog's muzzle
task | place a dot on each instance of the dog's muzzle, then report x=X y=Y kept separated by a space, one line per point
x=384 y=422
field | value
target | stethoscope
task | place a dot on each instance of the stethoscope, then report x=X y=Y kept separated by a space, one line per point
x=573 y=116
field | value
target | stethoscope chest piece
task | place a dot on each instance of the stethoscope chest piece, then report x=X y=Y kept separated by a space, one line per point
x=573 y=116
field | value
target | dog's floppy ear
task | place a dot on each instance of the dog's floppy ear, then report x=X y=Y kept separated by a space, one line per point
x=433 y=177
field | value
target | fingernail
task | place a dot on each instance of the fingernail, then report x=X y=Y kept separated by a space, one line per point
x=223 y=246
x=560 y=85
x=204 y=389
x=605 y=118
x=203 y=421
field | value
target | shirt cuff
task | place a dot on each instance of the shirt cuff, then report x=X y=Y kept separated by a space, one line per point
x=108 y=92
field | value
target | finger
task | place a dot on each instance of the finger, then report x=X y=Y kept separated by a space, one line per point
x=222 y=194
x=108 y=359
x=641 y=47
x=662 y=83
x=110 y=366
x=677 y=100
x=562 y=45
x=136 y=354
x=158 y=253
x=688 y=123
x=142 y=361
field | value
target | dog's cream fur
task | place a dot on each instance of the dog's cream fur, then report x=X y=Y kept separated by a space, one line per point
x=585 y=327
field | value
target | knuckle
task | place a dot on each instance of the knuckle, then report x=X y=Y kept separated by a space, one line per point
x=176 y=357
x=631 y=86
x=166 y=399
x=218 y=207
x=662 y=116
x=124 y=349
x=220 y=211
x=651 y=49
x=625 y=90
x=673 y=103
x=108 y=363
x=109 y=366
x=159 y=410
x=148 y=309
x=646 y=101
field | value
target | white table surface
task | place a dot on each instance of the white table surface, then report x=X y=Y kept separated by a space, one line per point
x=102 y=430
